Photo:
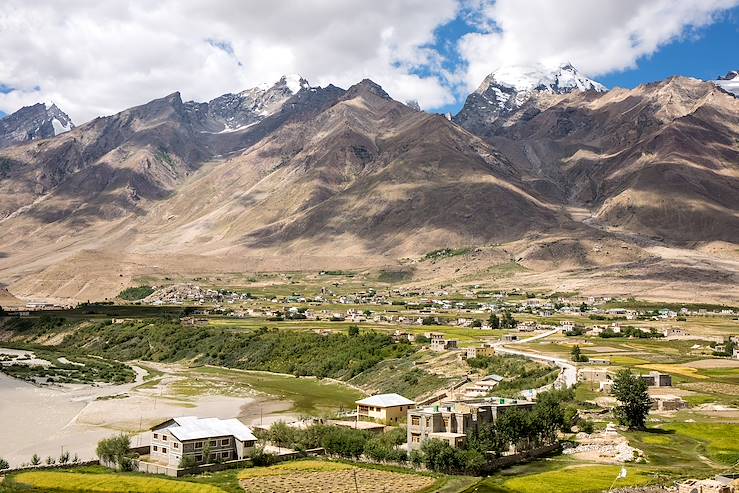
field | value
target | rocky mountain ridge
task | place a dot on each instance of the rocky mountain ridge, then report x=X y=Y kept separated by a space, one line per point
x=39 y=121
x=329 y=177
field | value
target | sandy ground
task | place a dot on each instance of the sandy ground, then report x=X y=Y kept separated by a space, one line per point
x=42 y=420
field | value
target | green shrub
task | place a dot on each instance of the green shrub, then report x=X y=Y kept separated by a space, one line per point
x=136 y=293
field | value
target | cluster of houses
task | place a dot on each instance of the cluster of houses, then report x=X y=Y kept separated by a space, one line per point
x=209 y=440
x=603 y=378
x=721 y=483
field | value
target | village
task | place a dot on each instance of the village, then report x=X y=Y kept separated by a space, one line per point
x=469 y=365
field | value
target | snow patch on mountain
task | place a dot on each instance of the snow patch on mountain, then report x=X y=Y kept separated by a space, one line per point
x=508 y=88
x=529 y=78
x=236 y=111
x=39 y=121
x=729 y=82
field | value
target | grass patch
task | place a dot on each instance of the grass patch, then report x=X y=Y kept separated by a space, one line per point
x=308 y=395
x=584 y=479
x=135 y=293
x=720 y=440
x=107 y=483
x=626 y=360
x=445 y=253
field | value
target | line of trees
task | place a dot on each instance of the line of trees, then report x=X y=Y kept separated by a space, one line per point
x=340 y=441
x=505 y=321
x=115 y=452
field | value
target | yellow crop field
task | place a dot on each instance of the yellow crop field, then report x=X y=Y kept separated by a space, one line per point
x=681 y=370
x=108 y=483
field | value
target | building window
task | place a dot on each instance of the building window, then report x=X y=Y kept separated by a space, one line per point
x=156 y=435
x=198 y=444
x=164 y=437
x=199 y=457
x=164 y=450
x=226 y=454
x=213 y=443
x=155 y=448
x=415 y=420
x=176 y=445
x=225 y=441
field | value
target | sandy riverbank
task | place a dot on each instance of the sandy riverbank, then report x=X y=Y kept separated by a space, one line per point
x=42 y=420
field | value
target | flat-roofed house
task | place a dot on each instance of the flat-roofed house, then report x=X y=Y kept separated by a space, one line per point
x=452 y=420
x=386 y=408
x=225 y=439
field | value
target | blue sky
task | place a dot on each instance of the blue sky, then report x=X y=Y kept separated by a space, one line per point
x=703 y=53
x=98 y=58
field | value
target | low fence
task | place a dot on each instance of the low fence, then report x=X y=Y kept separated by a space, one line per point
x=525 y=456
x=176 y=472
x=41 y=467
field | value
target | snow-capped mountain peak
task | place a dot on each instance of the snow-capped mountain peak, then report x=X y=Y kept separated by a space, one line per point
x=294 y=82
x=506 y=89
x=729 y=82
x=526 y=78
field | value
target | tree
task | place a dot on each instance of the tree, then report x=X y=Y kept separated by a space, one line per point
x=4 y=464
x=577 y=355
x=439 y=456
x=513 y=426
x=281 y=434
x=494 y=321
x=547 y=418
x=64 y=457
x=508 y=322
x=187 y=461
x=35 y=460
x=207 y=452
x=2 y=312
x=115 y=451
x=631 y=392
x=583 y=307
x=353 y=331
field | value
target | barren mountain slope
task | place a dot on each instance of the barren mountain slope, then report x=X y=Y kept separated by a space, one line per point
x=367 y=176
x=659 y=160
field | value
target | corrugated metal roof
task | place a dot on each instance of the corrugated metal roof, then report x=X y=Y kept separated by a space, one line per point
x=386 y=400
x=193 y=428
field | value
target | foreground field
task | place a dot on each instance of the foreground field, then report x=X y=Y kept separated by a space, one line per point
x=321 y=477
x=568 y=479
x=106 y=483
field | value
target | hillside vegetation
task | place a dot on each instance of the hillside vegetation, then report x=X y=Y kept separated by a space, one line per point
x=285 y=351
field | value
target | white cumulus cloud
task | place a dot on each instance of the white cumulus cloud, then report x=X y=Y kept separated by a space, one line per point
x=597 y=36
x=97 y=58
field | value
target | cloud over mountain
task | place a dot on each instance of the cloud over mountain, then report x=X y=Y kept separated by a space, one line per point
x=96 y=58
x=597 y=36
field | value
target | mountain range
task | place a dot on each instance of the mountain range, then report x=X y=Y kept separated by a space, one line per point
x=543 y=174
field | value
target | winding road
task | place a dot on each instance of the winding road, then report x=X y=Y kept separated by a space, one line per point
x=568 y=374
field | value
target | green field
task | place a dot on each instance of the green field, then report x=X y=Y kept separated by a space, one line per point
x=308 y=395
x=719 y=441
x=105 y=483
x=570 y=479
